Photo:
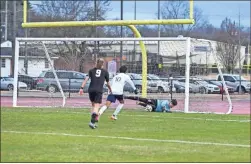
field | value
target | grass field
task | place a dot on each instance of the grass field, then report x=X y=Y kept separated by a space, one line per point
x=63 y=135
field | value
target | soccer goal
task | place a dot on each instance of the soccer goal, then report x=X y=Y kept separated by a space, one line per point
x=180 y=67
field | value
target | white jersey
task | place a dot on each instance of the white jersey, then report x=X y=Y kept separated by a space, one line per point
x=118 y=83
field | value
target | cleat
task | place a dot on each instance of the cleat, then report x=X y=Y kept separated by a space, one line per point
x=92 y=126
x=113 y=117
x=137 y=102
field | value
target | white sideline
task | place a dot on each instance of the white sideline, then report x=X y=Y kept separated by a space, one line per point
x=130 y=138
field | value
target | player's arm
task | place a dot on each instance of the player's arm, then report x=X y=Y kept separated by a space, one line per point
x=84 y=83
x=128 y=79
x=107 y=81
x=164 y=109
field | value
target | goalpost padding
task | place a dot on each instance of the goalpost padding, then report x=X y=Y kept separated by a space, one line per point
x=44 y=40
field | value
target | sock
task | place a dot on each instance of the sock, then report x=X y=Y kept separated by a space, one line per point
x=93 y=116
x=101 y=111
x=119 y=107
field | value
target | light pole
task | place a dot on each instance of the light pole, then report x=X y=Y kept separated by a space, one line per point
x=121 y=31
x=6 y=21
x=240 y=69
x=134 y=48
x=95 y=18
x=14 y=28
x=158 y=32
x=26 y=55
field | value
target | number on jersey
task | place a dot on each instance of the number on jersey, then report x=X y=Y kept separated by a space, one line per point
x=118 y=79
x=98 y=73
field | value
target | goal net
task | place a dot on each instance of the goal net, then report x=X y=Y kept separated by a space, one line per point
x=51 y=71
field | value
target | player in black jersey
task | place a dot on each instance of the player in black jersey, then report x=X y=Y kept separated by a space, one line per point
x=98 y=76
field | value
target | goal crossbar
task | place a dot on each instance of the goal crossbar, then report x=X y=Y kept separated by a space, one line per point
x=105 y=39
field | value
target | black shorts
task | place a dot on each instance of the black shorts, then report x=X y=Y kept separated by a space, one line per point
x=112 y=98
x=96 y=97
x=153 y=103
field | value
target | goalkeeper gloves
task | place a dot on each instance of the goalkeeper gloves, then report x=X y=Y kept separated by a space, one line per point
x=136 y=91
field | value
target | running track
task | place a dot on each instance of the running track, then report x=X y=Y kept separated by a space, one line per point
x=239 y=106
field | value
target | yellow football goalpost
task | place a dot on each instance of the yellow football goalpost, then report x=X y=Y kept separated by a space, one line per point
x=128 y=23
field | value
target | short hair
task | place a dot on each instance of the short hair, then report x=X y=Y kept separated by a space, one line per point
x=100 y=62
x=123 y=69
x=174 y=102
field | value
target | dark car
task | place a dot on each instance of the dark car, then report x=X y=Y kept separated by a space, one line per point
x=29 y=81
x=220 y=85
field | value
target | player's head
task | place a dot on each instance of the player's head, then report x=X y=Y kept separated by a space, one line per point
x=173 y=103
x=100 y=63
x=123 y=69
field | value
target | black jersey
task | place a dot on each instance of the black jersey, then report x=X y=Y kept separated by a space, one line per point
x=98 y=78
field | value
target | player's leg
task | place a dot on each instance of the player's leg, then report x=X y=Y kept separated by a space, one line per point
x=93 y=114
x=103 y=108
x=110 y=99
x=120 y=98
x=144 y=100
x=97 y=100
x=142 y=104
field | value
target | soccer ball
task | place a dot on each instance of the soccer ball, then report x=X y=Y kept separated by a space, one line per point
x=149 y=108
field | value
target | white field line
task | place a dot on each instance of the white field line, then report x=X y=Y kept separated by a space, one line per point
x=137 y=115
x=130 y=138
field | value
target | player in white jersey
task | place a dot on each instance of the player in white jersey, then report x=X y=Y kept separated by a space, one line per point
x=117 y=86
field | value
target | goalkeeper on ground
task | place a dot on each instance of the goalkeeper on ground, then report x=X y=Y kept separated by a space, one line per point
x=154 y=105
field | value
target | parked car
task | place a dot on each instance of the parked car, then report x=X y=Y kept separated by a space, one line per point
x=195 y=87
x=137 y=80
x=163 y=86
x=7 y=83
x=234 y=81
x=30 y=81
x=219 y=84
x=180 y=87
x=70 y=81
x=210 y=88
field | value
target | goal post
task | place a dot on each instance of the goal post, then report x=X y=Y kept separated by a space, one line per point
x=54 y=73
x=169 y=46
x=213 y=53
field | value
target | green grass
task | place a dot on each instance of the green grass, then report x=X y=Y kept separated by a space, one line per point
x=63 y=135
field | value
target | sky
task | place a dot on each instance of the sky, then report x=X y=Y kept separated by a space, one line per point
x=215 y=11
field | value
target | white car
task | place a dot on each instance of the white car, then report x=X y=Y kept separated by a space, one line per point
x=163 y=86
x=7 y=83
x=210 y=88
x=234 y=81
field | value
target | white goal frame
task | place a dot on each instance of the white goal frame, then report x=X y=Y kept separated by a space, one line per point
x=187 y=71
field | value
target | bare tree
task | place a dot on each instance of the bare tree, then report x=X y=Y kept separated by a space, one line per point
x=227 y=53
x=180 y=10
x=73 y=55
x=228 y=46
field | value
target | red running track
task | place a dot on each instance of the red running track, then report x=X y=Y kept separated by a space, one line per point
x=239 y=106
